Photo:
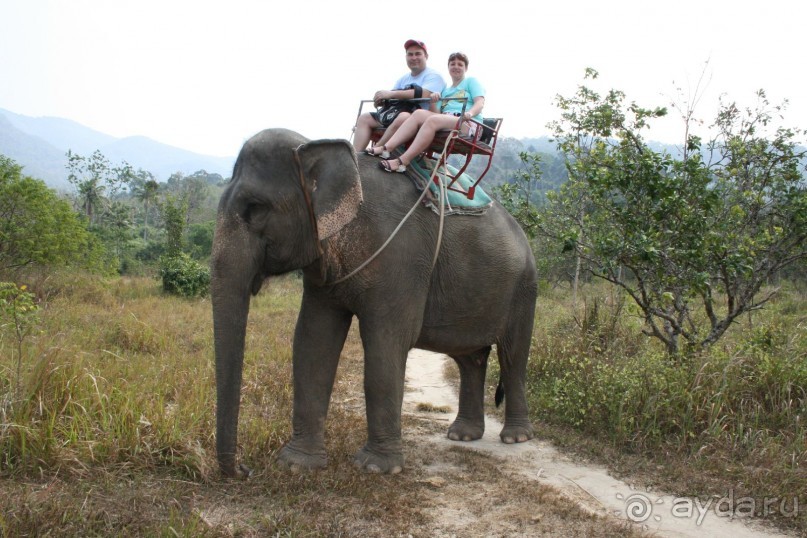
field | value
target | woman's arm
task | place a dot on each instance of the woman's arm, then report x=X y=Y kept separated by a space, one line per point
x=476 y=109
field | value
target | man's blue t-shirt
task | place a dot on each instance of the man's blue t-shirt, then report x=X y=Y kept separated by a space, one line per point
x=469 y=88
x=428 y=79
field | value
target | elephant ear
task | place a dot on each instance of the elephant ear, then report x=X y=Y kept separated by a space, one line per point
x=331 y=174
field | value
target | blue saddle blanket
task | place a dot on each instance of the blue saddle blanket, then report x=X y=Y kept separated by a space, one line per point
x=457 y=202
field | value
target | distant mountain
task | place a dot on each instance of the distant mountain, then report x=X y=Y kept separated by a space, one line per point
x=38 y=158
x=40 y=146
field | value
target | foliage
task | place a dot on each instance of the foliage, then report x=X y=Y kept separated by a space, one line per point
x=96 y=181
x=742 y=402
x=37 y=227
x=522 y=197
x=182 y=275
x=519 y=196
x=100 y=188
x=675 y=233
x=19 y=315
x=145 y=188
x=195 y=193
x=168 y=218
x=173 y=212
x=200 y=239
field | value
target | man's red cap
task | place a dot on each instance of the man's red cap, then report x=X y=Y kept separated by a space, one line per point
x=415 y=43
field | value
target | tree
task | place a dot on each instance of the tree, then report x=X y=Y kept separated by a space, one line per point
x=145 y=188
x=19 y=315
x=209 y=178
x=522 y=196
x=675 y=234
x=180 y=273
x=195 y=190
x=200 y=239
x=37 y=227
x=117 y=226
x=96 y=180
x=174 y=211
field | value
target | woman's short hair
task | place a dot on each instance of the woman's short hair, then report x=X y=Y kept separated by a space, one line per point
x=458 y=56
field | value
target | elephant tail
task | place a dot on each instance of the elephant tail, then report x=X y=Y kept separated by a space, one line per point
x=499 y=397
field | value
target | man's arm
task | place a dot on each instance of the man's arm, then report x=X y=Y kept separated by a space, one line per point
x=401 y=94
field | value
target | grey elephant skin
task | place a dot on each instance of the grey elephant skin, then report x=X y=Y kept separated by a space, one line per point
x=317 y=206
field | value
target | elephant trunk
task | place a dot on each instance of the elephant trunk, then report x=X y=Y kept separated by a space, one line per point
x=233 y=270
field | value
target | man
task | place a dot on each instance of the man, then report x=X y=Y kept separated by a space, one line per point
x=426 y=80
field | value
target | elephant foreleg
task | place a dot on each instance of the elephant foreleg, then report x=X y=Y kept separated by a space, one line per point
x=470 y=422
x=318 y=340
x=384 y=372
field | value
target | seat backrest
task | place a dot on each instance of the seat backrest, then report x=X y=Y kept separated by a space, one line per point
x=489 y=128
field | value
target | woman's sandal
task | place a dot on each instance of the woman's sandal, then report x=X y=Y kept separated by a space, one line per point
x=387 y=166
x=371 y=151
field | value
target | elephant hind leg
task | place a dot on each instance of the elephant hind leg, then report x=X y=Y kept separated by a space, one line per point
x=513 y=389
x=513 y=350
x=470 y=422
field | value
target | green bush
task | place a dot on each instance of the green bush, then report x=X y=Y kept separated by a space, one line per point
x=735 y=412
x=38 y=228
x=200 y=239
x=181 y=275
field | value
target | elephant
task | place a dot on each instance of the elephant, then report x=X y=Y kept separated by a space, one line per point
x=317 y=206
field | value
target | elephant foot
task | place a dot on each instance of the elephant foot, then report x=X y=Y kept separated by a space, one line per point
x=516 y=434
x=372 y=462
x=297 y=460
x=462 y=430
x=239 y=471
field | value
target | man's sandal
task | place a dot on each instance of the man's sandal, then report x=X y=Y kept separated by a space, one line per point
x=387 y=166
x=371 y=151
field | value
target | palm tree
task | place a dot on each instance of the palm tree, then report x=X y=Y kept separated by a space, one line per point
x=91 y=196
x=95 y=179
x=146 y=194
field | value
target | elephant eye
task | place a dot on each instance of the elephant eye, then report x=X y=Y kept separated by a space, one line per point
x=248 y=212
x=255 y=211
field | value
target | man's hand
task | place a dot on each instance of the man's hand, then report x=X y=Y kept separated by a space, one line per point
x=381 y=95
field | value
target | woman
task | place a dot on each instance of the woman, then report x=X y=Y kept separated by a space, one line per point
x=422 y=125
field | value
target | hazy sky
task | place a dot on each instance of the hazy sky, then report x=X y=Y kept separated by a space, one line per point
x=205 y=75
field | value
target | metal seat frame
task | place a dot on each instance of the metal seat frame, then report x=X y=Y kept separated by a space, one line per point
x=449 y=142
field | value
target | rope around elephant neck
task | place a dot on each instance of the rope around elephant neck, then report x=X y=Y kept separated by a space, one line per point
x=443 y=199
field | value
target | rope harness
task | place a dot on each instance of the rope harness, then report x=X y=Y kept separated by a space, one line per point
x=312 y=217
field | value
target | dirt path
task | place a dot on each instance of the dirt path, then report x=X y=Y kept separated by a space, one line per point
x=591 y=487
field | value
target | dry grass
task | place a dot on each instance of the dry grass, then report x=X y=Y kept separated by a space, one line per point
x=728 y=420
x=115 y=435
x=113 y=432
x=432 y=408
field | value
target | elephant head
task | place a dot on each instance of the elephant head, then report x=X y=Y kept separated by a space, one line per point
x=287 y=194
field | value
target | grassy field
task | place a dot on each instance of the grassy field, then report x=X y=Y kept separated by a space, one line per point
x=108 y=427
x=728 y=422
x=109 y=431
